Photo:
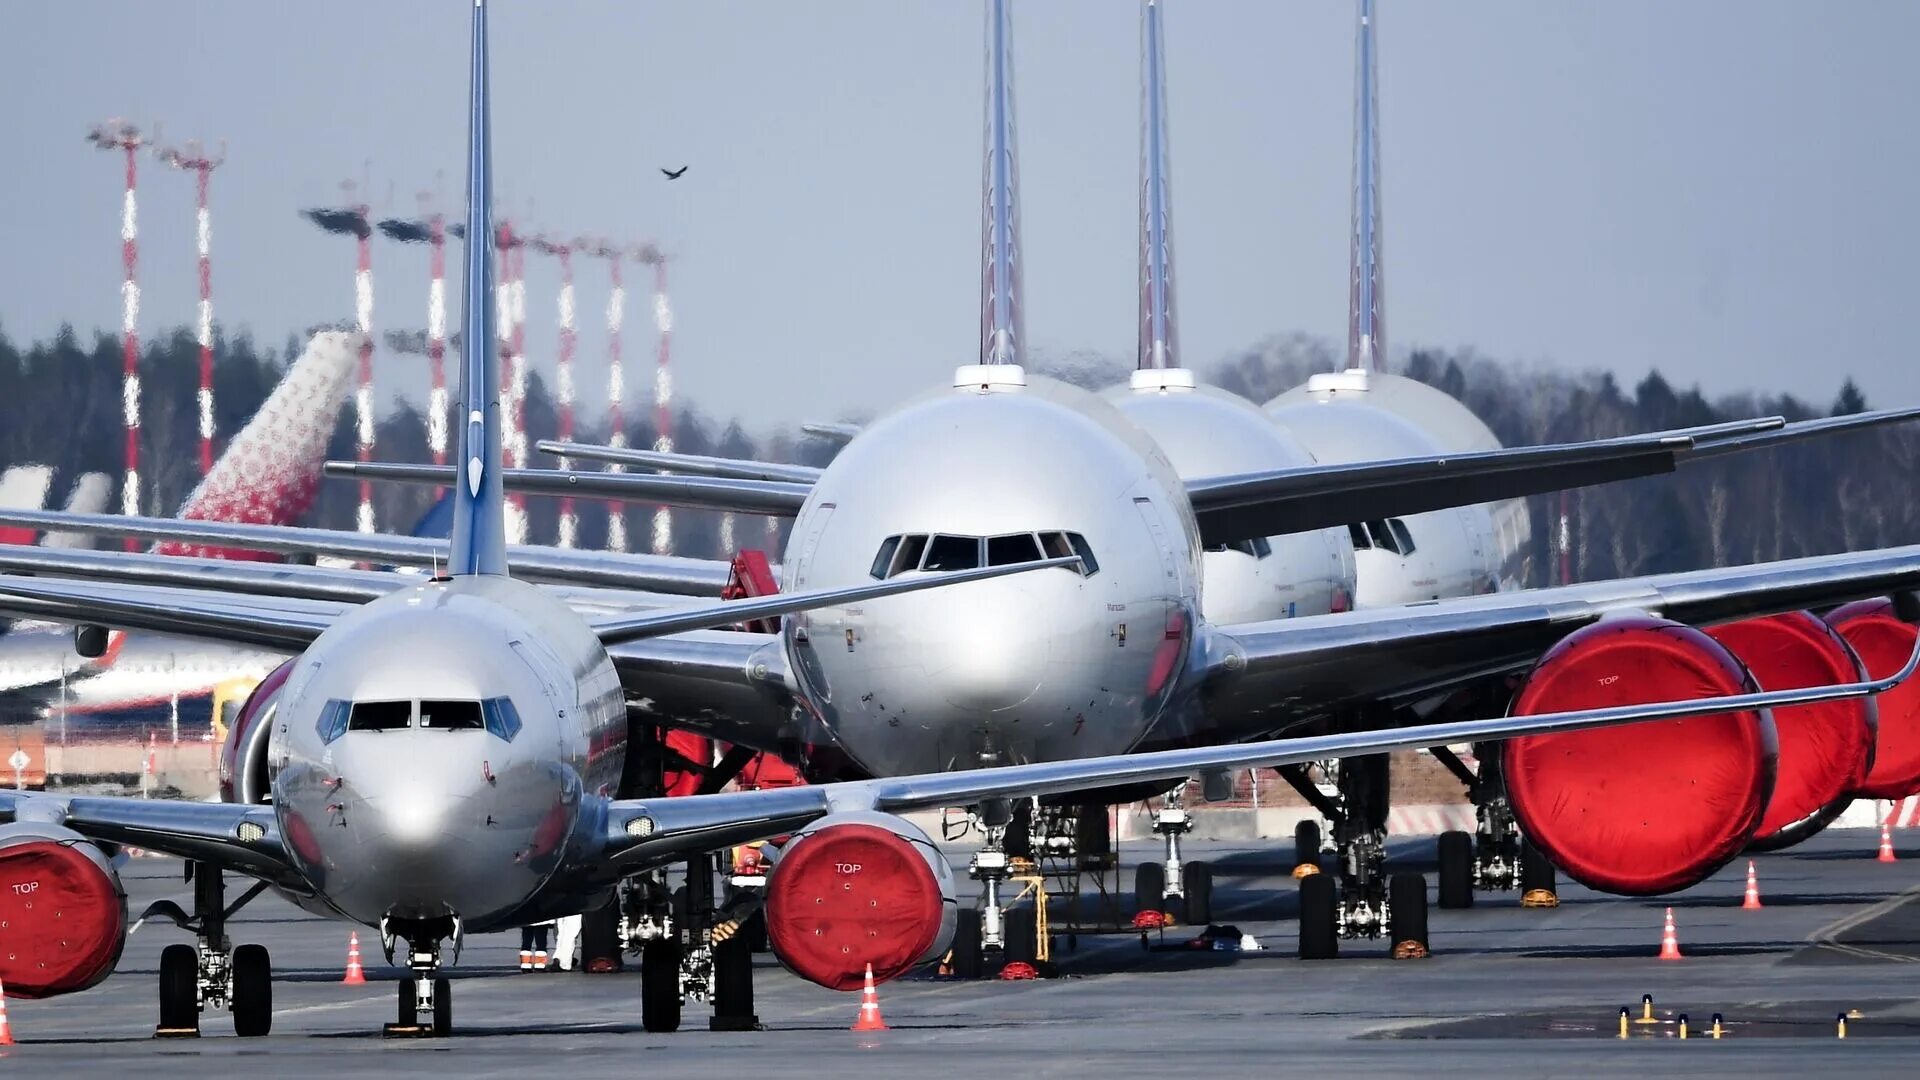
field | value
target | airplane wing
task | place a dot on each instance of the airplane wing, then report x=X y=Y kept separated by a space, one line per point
x=234 y=618
x=1300 y=499
x=728 y=468
x=243 y=837
x=546 y=565
x=649 y=832
x=724 y=684
x=1262 y=676
x=842 y=433
x=771 y=497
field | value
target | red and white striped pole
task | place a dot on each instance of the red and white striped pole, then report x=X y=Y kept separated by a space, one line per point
x=363 y=395
x=563 y=380
x=193 y=157
x=437 y=337
x=509 y=302
x=662 y=390
x=123 y=136
x=616 y=383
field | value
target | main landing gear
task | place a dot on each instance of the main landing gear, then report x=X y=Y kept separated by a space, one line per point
x=426 y=996
x=1181 y=889
x=1495 y=857
x=690 y=949
x=1357 y=899
x=212 y=973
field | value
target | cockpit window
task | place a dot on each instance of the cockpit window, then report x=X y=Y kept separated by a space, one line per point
x=1256 y=548
x=1055 y=545
x=450 y=715
x=333 y=721
x=1401 y=534
x=952 y=553
x=1382 y=536
x=1088 y=567
x=908 y=557
x=1358 y=534
x=502 y=718
x=380 y=716
x=883 y=561
x=1013 y=548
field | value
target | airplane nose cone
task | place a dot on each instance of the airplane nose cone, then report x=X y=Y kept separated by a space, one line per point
x=993 y=653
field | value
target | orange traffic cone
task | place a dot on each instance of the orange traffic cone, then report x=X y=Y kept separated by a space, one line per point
x=1886 y=843
x=355 y=977
x=870 y=1018
x=1752 y=902
x=1669 y=940
x=6 y=1031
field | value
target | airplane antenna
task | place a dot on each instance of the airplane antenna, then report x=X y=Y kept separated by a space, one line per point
x=1157 y=342
x=1002 y=320
x=117 y=134
x=479 y=541
x=192 y=156
x=1366 y=312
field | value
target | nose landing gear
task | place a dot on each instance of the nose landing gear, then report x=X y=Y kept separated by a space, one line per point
x=426 y=996
x=211 y=973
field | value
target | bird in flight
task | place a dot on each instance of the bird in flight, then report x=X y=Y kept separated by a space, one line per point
x=674 y=174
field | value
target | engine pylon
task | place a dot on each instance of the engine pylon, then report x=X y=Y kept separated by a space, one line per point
x=1669 y=940
x=870 y=1018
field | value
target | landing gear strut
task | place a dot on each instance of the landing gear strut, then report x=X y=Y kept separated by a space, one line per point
x=1358 y=899
x=212 y=973
x=1183 y=889
x=1495 y=857
x=989 y=867
x=426 y=996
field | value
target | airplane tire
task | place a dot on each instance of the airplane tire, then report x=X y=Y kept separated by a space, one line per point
x=409 y=1012
x=252 y=991
x=966 y=944
x=1536 y=870
x=443 y=1007
x=1456 y=870
x=1407 y=911
x=1306 y=843
x=179 y=992
x=1199 y=883
x=600 y=938
x=660 y=985
x=733 y=985
x=1018 y=841
x=1319 y=937
x=1149 y=887
x=1020 y=928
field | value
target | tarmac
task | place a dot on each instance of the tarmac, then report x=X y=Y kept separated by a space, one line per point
x=1517 y=991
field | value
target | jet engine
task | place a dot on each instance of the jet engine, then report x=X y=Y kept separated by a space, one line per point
x=1884 y=641
x=243 y=758
x=855 y=889
x=1826 y=747
x=1641 y=808
x=63 y=914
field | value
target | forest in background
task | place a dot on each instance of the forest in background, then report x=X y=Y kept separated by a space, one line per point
x=60 y=405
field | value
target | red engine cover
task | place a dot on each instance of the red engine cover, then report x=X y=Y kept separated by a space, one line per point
x=1640 y=808
x=847 y=896
x=1884 y=643
x=63 y=917
x=1825 y=748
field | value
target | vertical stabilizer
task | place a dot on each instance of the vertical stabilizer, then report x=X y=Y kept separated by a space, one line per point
x=1002 y=325
x=1158 y=345
x=1366 y=311
x=479 y=542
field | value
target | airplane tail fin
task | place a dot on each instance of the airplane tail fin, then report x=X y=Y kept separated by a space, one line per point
x=1158 y=346
x=271 y=470
x=23 y=487
x=1366 y=310
x=1002 y=315
x=89 y=496
x=479 y=541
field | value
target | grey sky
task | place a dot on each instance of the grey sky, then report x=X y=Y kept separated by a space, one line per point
x=1721 y=189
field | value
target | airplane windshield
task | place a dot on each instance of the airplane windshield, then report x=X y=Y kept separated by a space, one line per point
x=450 y=715
x=952 y=553
x=380 y=716
x=918 y=551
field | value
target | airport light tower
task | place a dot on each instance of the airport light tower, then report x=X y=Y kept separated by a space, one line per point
x=352 y=220
x=650 y=255
x=117 y=134
x=192 y=156
x=562 y=250
x=616 y=376
x=430 y=228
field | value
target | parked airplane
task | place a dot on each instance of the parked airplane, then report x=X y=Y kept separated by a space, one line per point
x=1028 y=688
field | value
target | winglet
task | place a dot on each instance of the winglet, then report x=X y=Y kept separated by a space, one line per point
x=1002 y=319
x=1158 y=346
x=1366 y=309
x=479 y=543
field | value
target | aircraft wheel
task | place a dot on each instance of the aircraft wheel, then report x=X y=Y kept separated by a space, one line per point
x=443 y=1007
x=733 y=985
x=179 y=988
x=1306 y=843
x=409 y=1012
x=1319 y=937
x=252 y=991
x=1456 y=870
x=1020 y=928
x=660 y=985
x=966 y=944
x=1199 y=883
x=1407 y=915
x=1018 y=841
x=1149 y=886
x=1536 y=870
x=600 y=938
